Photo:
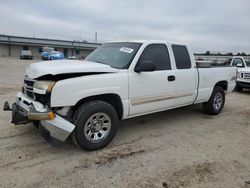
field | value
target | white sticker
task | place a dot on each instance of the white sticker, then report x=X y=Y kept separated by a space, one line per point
x=127 y=50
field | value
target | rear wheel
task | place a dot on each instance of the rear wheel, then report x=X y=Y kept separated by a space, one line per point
x=96 y=125
x=216 y=102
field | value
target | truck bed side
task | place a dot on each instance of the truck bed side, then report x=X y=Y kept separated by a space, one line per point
x=209 y=77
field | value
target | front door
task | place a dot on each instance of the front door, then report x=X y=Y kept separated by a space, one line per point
x=152 y=91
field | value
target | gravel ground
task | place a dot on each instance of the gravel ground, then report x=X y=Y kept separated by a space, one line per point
x=177 y=148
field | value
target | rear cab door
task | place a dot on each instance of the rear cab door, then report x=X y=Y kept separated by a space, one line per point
x=186 y=75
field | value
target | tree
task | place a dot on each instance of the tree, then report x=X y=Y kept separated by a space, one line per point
x=229 y=54
x=207 y=53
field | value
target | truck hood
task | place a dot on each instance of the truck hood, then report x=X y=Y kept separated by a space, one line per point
x=247 y=69
x=57 y=67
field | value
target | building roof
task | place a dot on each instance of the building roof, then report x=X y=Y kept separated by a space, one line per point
x=33 y=41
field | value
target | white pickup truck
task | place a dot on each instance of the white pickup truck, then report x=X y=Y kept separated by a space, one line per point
x=86 y=99
x=243 y=72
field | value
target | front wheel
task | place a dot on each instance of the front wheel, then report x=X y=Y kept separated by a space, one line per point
x=96 y=125
x=216 y=102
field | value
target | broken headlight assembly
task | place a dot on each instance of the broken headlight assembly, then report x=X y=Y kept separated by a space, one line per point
x=43 y=87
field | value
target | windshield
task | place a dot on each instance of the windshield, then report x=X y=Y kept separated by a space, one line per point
x=118 y=55
x=248 y=63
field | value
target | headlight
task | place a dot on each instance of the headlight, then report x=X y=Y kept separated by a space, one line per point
x=43 y=87
x=238 y=75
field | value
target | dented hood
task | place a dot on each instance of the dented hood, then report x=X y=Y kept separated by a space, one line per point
x=36 y=70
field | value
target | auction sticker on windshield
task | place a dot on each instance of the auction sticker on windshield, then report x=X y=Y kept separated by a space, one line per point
x=127 y=50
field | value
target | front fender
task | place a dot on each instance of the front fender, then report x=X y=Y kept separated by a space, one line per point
x=68 y=92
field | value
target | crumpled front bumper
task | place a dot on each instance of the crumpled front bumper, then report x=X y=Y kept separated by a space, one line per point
x=19 y=115
x=55 y=129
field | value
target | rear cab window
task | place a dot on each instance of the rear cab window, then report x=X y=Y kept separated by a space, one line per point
x=181 y=55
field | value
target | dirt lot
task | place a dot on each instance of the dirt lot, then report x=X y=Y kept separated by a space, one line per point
x=176 y=148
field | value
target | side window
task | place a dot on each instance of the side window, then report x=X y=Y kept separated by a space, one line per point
x=158 y=53
x=182 y=58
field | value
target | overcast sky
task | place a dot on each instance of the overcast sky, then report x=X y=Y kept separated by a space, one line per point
x=215 y=25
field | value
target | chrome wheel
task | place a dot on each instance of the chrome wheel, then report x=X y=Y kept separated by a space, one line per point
x=97 y=127
x=218 y=101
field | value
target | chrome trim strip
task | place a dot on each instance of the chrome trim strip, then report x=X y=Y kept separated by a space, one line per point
x=29 y=79
x=38 y=115
x=29 y=90
x=28 y=87
x=185 y=93
x=150 y=99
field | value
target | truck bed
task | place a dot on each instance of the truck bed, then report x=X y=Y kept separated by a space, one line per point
x=219 y=74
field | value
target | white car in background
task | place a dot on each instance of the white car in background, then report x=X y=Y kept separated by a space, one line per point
x=243 y=72
x=26 y=54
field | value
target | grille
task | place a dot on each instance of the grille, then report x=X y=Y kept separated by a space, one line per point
x=246 y=76
x=28 y=87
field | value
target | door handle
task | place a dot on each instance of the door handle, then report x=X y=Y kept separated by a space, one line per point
x=171 y=78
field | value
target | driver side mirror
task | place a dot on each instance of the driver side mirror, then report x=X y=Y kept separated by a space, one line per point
x=145 y=66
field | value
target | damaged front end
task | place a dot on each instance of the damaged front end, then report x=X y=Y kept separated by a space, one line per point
x=32 y=105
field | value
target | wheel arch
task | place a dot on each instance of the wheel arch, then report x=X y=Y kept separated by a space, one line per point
x=223 y=84
x=111 y=98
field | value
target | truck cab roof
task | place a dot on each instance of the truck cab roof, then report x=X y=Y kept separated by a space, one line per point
x=151 y=42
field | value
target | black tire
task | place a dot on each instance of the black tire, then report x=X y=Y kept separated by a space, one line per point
x=210 y=107
x=83 y=114
x=36 y=124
